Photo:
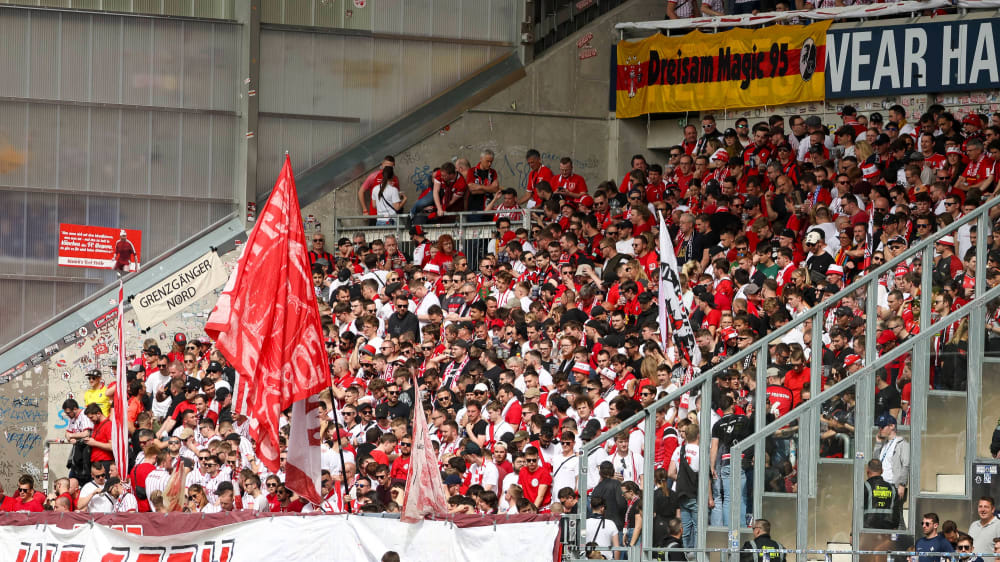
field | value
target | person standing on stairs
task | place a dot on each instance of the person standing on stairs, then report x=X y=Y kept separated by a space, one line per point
x=894 y=453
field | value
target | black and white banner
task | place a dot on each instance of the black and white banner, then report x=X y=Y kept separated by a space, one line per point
x=178 y=291
x=672 y=306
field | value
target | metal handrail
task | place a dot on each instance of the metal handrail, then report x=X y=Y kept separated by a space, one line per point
x=105 y=290
x=760 y=346
x=402 y=221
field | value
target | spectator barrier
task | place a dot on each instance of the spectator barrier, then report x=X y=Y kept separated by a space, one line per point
x=807 y=413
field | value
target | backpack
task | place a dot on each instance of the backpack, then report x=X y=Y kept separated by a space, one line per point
x=687 y=478
x=79 y=461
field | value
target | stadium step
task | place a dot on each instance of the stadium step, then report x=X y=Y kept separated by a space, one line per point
x=951 y=484
x=839 y=546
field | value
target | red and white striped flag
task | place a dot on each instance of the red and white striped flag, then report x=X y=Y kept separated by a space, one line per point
x=119 y=423
x=266 y=322
x=424 y=493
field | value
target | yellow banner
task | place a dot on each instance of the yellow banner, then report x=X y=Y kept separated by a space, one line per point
x=738 y=68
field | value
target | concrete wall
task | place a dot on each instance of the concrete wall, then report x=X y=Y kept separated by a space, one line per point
x=560 y=108
x=31 y=405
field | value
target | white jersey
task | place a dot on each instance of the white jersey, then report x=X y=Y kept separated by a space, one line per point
x=486 y=475
x=629 y=466
x=79 y=423
x=258 y=504
x=600 y=530
x=156 y=481
x=564 y=472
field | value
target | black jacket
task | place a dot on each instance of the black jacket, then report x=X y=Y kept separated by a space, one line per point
x=763 y=542
x=611 y=490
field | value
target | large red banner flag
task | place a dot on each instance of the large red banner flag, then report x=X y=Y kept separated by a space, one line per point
x=424 y=494
x=266 y=322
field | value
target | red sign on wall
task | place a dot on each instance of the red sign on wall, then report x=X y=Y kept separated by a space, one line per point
x=93 y=246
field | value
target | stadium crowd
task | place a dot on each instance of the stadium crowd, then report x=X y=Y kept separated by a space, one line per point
x=549 y=335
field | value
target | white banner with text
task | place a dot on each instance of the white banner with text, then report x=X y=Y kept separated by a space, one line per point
x=179 y=290
x=315 y=538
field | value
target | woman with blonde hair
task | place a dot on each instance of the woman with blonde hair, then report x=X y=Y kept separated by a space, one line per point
x=863 y=150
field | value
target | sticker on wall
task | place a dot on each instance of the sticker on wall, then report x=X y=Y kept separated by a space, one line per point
x=360 y=4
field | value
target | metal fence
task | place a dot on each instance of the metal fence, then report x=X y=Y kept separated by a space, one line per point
x=573 y=552
x=808 y=412
x=472 y=230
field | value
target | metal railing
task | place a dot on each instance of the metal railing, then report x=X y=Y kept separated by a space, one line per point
x=572 y=553
x=472 y=230
x=809 y=443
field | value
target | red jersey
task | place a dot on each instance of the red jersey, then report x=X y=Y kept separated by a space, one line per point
x=34 y=505
x=456 y=187
x=400 y=468
x=979 y=170
x=530 y=482
x=573 y=184
x=543 y=173
x=655 y=191
x=101 y=433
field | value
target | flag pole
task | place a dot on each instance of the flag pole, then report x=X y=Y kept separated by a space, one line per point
x=340 y=448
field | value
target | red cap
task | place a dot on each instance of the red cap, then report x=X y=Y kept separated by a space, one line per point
x=728 y=333
x=974 y=120
x=587 y=201
x=851 y=359
x=870 y=171
x=180 y=338
x=369 y=349
x=885 y=337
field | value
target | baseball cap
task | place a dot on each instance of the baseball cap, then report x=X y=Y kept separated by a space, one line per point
x=882 y=139
x=813 y=121
x=522 y=435
x=532 y=393
x=851 y=359
x=953 y=150
x=452 y=480
x=885 y=420
x=787 y=233
x=813 y=237
x=416 y=230
x=587 y=201
x=480 y=387
x=973 y=119
x=774 y=372
x=728 y=333
x=835 y=269
x=214 y=367
x=751 y=202
x=947 y=241
x=885 y=337
x=381 y=411
x=180 y=338
x=472 y=449
x=432 y=268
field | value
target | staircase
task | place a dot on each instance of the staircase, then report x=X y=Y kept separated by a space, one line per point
x=947 y=435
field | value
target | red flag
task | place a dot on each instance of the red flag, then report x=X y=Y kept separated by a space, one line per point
x=119 y=423
x=424 y=488
x=266 y=322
